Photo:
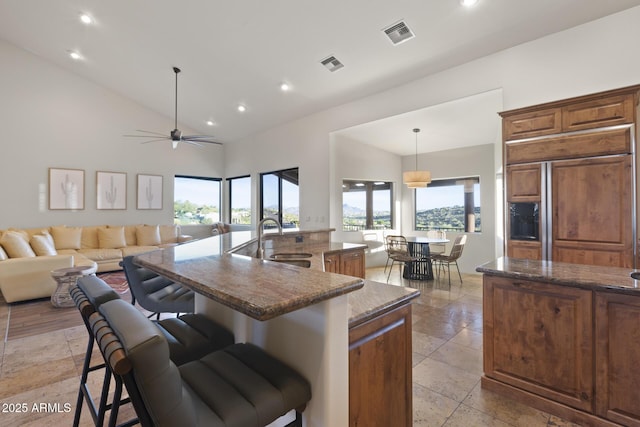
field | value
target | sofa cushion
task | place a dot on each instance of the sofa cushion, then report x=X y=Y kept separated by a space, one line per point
x=42 y=244
x=111 y=238
x=100 y=254
x=15 y=245
x=129 y=233
x=89 y=237
x=148 y=235
x=3 y=254
x=67 y=237
x=168 y=233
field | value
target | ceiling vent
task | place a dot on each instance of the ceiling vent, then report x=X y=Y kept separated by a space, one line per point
x=332 y=64
x=398 y=33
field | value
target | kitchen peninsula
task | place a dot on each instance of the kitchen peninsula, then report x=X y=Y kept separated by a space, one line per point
x=564 y=338
x=325 y=325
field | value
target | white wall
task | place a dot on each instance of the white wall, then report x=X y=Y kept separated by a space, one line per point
x=590 y=58
x=52 y=118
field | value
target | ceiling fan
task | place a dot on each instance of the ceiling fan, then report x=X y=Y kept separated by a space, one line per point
x=176 y=135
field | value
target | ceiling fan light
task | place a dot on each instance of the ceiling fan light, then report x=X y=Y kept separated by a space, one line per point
x=86 y=19
x=242 y=108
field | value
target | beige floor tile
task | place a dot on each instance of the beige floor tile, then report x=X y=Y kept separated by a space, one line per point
x=445 y=379
x=35 y=375
x=431 y=409
x=437 y=328
x=425 y=344
x=466 y=416
x=468 y=338
x=505 y=409
x=459 y=356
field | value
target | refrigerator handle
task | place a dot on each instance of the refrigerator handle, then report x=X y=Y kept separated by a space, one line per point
x=546 y=211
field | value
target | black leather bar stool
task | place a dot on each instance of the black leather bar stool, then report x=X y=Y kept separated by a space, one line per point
x=239 y=386
x=189 y=336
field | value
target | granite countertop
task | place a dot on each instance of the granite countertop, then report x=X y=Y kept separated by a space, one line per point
x=264 y=289
x=260 y=289
x=577 y=275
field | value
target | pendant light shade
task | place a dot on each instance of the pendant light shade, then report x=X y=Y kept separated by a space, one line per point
x=416 y=178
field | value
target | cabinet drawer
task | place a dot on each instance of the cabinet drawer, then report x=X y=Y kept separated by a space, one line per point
x=601 y=143
x=526 y=125
x=610 y=111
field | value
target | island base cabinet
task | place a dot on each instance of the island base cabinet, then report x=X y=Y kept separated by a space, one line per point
x=617 y=357
x=380 y=371
x=350 y=263
x=539 y=338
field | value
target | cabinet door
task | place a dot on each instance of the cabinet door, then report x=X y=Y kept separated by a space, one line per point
x=332 y=263
x=592 y=211
x=524 y=183
x=617 y=356
x=352 y=263
x=380 y=371
x=524 y=249
x=529 y=124
x=608 y=111
x=538 y=337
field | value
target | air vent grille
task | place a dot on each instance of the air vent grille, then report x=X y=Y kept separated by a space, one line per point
x=332 y=64
x=399 y=32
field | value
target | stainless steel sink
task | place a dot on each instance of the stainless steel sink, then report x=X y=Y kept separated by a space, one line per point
x=299 y=262
x=290 y=255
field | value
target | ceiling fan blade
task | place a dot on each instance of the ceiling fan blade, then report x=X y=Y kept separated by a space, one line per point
x=147 y=136
x=155 y=140
x=197 y=144
x=149 y=131
x=202 y=141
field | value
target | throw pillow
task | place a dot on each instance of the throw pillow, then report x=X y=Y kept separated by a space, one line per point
x=3 y=254
x=148 y=235
x=168 y=233
x=111 y=238
x=43 y=245
x=15 y=245
x=66 y=237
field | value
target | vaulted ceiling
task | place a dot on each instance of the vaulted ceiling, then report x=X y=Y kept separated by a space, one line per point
x=240 y=52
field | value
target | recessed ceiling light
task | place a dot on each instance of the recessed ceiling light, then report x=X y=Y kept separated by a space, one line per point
x=285 y=87
x=468 y=3
x=75 y=55
x=210 y=123
x=86 y=19
x=242 y=108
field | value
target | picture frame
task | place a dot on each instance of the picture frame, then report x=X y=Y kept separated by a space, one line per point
x=66 y=189
x=111 y=190
x=149 y=191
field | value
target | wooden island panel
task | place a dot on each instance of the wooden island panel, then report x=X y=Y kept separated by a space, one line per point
x=538 y=337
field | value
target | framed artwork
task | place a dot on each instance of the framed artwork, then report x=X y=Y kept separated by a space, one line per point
x=66 y=188
x=149 y=191
x=111 y=190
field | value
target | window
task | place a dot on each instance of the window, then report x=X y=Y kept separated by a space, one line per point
x=280 y=197
x=449 y=205
x=240 y=200
x=196 y=200
x=366 y=205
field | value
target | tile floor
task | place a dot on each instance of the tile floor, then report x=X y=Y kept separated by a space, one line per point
x=447 y=359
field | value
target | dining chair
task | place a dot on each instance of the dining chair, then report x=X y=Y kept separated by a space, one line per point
x=437 y=248
x=397 y=251
x=440 y=260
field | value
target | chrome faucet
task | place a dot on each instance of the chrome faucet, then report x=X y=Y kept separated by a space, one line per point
x=260 y=253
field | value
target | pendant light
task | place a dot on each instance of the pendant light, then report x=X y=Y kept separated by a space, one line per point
x=416 y=178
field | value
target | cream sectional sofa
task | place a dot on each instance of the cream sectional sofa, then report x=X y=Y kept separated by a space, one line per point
x=27 y=256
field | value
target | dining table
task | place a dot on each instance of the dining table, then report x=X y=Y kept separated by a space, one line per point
x=421 y=268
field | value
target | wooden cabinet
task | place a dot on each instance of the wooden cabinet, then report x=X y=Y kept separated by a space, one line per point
x=380 y=371
x=524 y=183
x=350 y=262
x=592 y=211
x=593 y=111
x=617 y=349
x=538 y=337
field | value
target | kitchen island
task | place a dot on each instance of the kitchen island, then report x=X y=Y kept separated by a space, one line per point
x=564 y=338
x=303 y=316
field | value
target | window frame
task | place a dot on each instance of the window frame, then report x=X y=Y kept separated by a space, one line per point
x=202 y=178
x=230 y=190
x=370 y=188
x=468 y=204
x=279 y=174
